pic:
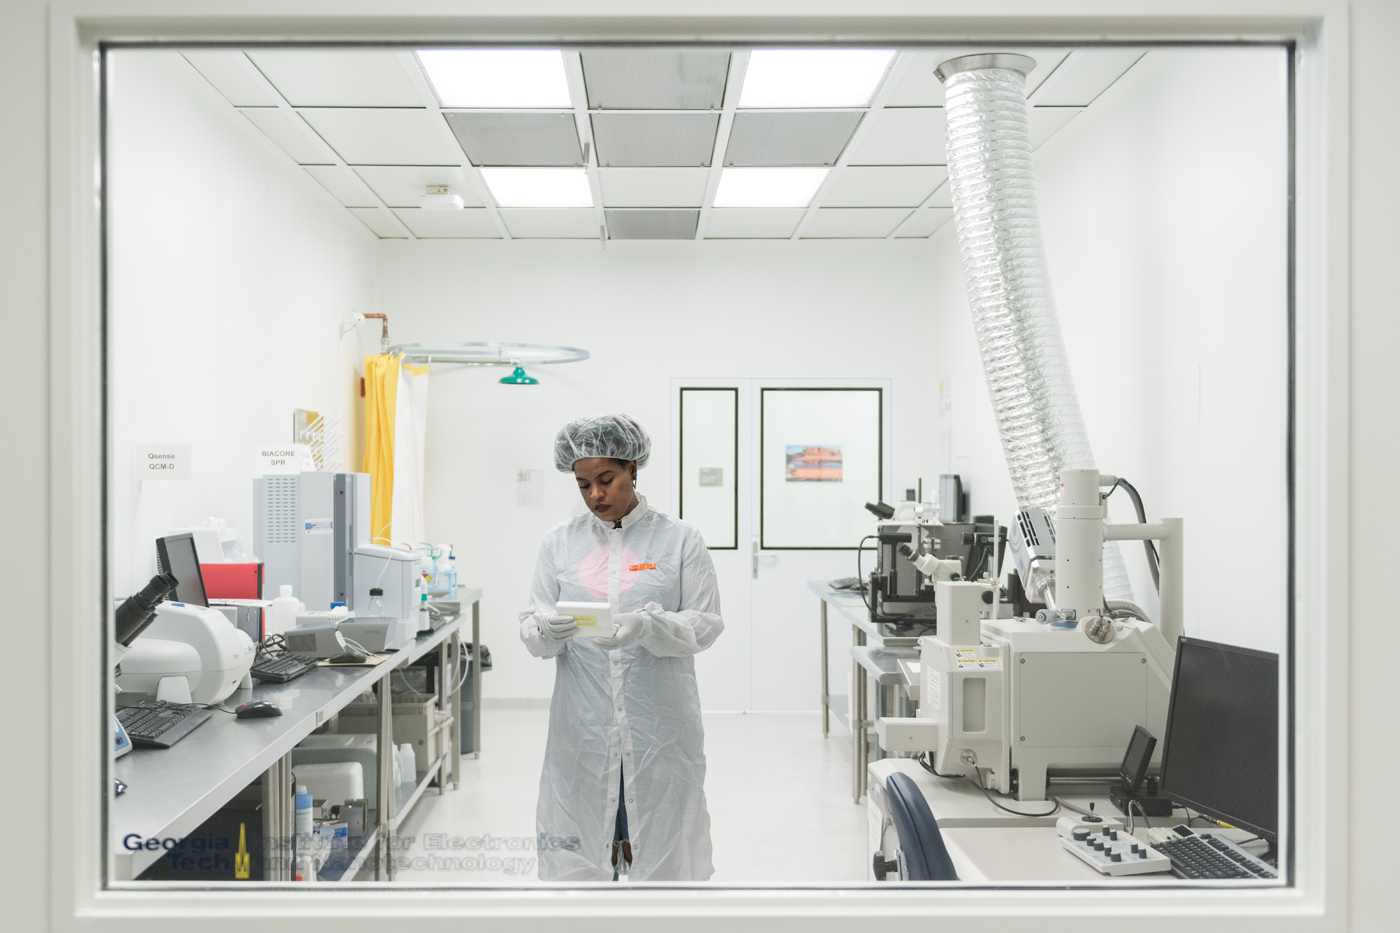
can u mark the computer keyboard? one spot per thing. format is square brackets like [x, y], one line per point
[158, 724]
[280, 668]
[1203, 856]
[847, 583]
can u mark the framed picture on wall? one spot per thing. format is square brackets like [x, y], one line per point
[821, 456]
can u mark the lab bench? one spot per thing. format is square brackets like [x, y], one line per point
[877, 650]
[171, 792]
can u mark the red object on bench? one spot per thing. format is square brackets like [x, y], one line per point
[233, 581]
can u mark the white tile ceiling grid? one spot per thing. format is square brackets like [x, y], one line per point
[573, 71]
[738, 64]
[897, 68]
[419, 80]
[388, 220]
[1064, 84]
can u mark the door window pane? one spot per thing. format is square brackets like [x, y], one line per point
[821, 461]
[709, 464]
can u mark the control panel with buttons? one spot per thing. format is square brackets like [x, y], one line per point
[1114, 852]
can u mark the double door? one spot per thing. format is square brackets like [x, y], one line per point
[776, 474]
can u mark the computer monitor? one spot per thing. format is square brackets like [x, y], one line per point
[1220, 753]
[175, 554]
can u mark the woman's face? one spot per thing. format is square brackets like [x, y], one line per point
[607, 485]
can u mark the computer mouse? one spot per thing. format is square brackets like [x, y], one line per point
[351, 656]
[258, 709]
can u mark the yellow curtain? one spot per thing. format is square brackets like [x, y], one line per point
[381, 399]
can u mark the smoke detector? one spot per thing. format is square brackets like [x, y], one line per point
[438, 198]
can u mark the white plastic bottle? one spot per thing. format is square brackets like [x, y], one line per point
[408, 763]
[303, 870]
[425, 620]
[282, 614]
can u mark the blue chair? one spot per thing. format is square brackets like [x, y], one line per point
[921, 856]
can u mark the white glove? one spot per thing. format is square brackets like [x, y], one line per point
[556, 628]
[629, 625]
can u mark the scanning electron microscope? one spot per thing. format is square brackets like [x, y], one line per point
[1010, 701]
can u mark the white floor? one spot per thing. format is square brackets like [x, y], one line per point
[779, 797]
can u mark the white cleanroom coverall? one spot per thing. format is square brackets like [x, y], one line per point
[634, 708]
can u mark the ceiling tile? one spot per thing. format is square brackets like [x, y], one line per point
[560, 222]
[403, 185]
[919, 87]
[652, 225]
[885, 186]
[653, 187]
[646, 79]
[337, 77]
[909, 136]
[380, 222]
[290, 134]
[346, 186]
[854, 222]
[659, 139]
[790, 138]
[365, 136]
[925, 222]
[1084, 76]
[752, 223]
[472, 222]
[503, 139]
[230, 78]
[1047, 121]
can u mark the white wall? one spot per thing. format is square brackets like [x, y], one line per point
[1164, 216]
[229, 281]
[646, 312]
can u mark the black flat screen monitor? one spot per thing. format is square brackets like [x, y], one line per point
[175, 554]
[1135, 760]
[1220, 754]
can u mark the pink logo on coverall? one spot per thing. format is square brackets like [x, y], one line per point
[593, 573]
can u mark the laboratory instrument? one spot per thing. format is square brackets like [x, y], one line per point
[1012, 699]
[393, 571]
[158, 724]
[306, 527]
[225, 653]
[372, 634]
[914, 551]
[1113, 852]
[121, 742]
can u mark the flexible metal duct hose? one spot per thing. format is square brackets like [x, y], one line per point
[1008, 285]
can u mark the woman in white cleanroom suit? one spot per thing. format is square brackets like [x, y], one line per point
[625, 758]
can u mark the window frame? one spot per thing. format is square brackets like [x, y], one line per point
[1318, 437]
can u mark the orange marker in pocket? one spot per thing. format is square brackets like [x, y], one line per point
[635, 567]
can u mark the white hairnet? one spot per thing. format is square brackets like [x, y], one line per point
[607, 434]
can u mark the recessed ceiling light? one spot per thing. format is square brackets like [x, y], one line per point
[539, 187]
[491, 79]
[813, 77]
[768, 187]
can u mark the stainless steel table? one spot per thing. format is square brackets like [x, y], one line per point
[170, 792]
[851, 606]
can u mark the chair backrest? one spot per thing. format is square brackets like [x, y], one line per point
[925, 856]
